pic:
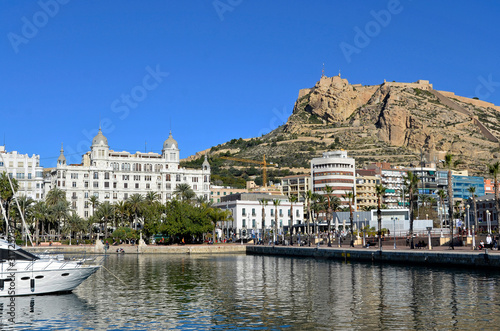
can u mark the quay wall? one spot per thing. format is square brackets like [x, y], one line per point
[146, 249]
[481, 260]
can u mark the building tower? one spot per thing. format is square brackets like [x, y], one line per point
[61, 160]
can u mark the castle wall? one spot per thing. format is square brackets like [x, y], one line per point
[478, 103]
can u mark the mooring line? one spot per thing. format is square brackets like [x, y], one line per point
[114, 275]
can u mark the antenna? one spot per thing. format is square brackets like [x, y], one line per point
[145, 147]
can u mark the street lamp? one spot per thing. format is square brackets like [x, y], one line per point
[394, 230]
[488, 221]
[429, 228]
[468, 221]
[364, 231]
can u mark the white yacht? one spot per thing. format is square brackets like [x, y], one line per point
[23, 273]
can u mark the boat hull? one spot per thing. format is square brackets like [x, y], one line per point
[34, 282]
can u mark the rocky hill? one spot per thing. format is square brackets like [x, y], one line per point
[392, 122]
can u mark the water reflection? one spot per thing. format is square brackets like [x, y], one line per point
[255, 292]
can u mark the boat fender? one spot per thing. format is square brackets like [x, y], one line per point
[32, 284]
[2, 284]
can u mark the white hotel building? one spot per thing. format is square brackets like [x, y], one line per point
[26, 170]
[336, 170]
[115, 176]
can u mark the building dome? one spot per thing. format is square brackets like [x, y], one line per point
[170, 143]
[100, 140]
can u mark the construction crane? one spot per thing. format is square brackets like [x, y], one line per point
[263, 163]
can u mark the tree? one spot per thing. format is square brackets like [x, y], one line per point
[494, 169]
[94, 201]
[411, 184]
[472, 191]
[184, 192]
[218, 215]
[350, 196]
[263, 202]
[293, 199]
[449, 163]
[380, 191]
[6, 192]
[276, 203]
[308, 196]
[442, 195]
[105, 212]
[135, 203]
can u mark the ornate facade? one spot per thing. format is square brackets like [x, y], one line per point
[115, 176]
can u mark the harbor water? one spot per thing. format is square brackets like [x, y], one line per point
[240, 292]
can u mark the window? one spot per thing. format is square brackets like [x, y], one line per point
[272, 212]
[29, 176]
[106, 175]
[125, 196]
[115, 196]
[86, 204]
[73, 205]
[136, 185]
[86, 213]
[125, 185]
[194, 179]
[39, 174]
[253, 211]
[168, 186]
[20, 176]
[137, 177]
[281, 212]
[195, 187]
[86, 195]
[96, 175]
[114, 185]
[96, 184]
[177, 178]
[125, 177]
[253, 223]
[244, 223]
[167, 178]
[86, 184]
[106, 184]
[148, 186]
[297, 213]
[73, 184]
[243, 212]
[147, 178]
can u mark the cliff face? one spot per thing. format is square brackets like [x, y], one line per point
[408, 115]
[391, 122]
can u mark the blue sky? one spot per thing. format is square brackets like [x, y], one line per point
[216, 70]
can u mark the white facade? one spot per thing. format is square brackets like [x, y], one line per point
[247, 216]
[115, 176]
[336, 170]
[26, 170]
[393, 180]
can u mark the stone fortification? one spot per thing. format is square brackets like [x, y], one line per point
[475, 102]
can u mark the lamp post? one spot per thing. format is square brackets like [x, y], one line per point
[364, 230]
[394, 230]
[488, 221]
[473, 238]
[429, 228]
[468, 221]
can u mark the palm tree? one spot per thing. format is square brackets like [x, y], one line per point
[442, 195]
[472, 191]
[135, 203]
[293, 199]
[151, 197]
[94, 201]
[263, 202]
[449, 163]
[411, 184]
[218, 215]
[121, 209]
[318, 206]
[40, 213]
[184, 192]
[380, 191]
[494, 169]
[308, 196]
[350, 198]
[104, 213]
[276, 203]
